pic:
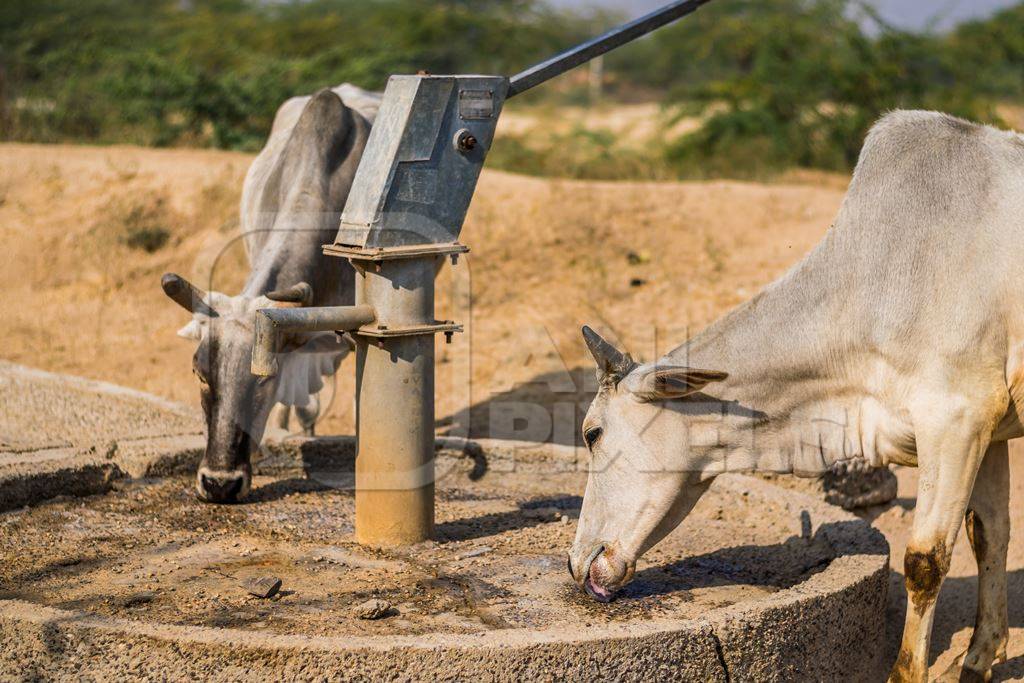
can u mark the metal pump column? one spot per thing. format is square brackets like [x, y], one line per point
[395, 396]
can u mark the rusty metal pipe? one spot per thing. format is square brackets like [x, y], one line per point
[271, 323]
[395, 404]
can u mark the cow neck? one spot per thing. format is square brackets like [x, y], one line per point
[789, 405]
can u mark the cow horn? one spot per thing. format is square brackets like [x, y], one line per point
[612, 364]
[301, 293]
[186, 295]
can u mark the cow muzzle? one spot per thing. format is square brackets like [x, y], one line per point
[223, 487]
[602, 572]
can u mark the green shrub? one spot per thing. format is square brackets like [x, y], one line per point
[799, 83]
[144, 227]
[780, 83]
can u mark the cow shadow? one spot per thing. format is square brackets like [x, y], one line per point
[535, 512]
[328, 462]
[282, 488]
[777, 565]
[549, 408]
[1010, 670]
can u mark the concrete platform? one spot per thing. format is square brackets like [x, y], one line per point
[140, 580]
[63, 435]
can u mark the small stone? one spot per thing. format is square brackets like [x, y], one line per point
[264, 587]
[565, 519]
[636, 258]
[476, 552]
[374, 609]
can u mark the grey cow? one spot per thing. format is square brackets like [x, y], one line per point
[899, 339]
[292, 200]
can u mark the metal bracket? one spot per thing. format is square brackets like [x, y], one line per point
[378, 254]
[386, 332]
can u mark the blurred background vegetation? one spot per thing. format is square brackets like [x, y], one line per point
[745, 88]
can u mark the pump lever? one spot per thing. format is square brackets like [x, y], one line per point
[617, 37]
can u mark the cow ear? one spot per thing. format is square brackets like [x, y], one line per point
[666, 384]
[300, 295]
[194, 330]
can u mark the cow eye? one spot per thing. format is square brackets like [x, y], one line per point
[592, 435]
[199, 375]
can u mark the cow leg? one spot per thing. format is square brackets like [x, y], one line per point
[988, 529]
[949, 460]
[279, 416]
[308, 415]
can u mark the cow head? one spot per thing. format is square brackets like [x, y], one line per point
[645, 475]
[236, 403]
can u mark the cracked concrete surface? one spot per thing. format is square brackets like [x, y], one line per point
[63, 435]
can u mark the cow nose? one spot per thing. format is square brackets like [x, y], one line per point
[577, 564]
[222, 487]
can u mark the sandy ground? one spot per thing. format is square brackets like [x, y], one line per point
[647, 263]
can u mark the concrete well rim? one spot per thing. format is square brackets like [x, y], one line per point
[861, 553]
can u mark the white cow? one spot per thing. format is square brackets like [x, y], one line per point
[899, 339]
[291, 205]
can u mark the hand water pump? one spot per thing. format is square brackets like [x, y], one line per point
[404, 214]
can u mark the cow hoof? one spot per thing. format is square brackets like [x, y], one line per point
[957, 673]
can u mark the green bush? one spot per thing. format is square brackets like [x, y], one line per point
[800, 83]
[213, 72]
[778, 83]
